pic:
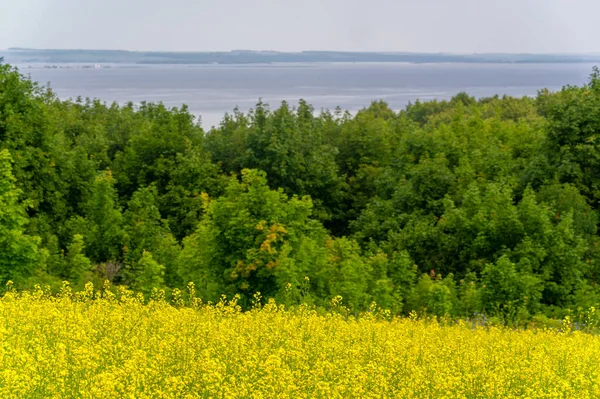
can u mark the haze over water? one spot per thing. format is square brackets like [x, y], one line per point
[212, 90]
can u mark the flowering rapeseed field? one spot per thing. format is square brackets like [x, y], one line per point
[114, 345]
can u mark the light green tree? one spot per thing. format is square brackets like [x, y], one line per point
[250, 240]
[149, 274]
[19, 252]
[76, 263]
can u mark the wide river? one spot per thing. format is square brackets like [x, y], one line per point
[212, 90]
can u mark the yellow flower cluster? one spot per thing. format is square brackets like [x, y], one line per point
[113, 345]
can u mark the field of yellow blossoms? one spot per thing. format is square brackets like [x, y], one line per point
[115, 345]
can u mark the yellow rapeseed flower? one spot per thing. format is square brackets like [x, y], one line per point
[114, 345]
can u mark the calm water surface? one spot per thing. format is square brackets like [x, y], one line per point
[212, 90]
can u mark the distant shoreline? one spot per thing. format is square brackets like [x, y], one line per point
[18, 55]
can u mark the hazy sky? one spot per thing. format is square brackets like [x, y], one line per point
[292, 25]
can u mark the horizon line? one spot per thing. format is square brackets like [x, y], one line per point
[300, 51]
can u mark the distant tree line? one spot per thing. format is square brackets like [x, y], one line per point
[459, 207]
[56, 56]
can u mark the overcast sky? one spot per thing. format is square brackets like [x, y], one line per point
[462, 26]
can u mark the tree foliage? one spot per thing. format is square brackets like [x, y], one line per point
[456, 207]
[19, 252]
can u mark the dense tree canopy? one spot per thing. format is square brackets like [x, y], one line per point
[456, 207]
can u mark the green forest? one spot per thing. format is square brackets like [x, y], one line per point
[462, 208]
